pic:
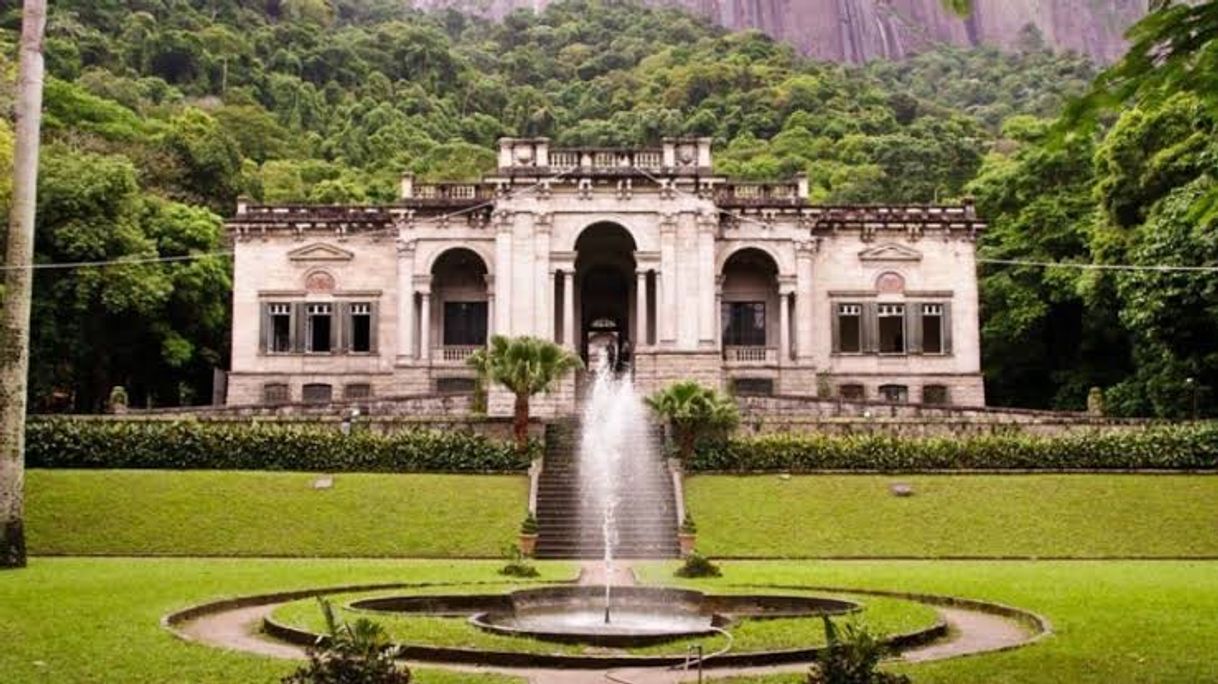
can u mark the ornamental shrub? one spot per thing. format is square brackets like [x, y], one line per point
[1175, 447]
[195, 445]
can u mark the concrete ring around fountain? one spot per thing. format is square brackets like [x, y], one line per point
[965, 627]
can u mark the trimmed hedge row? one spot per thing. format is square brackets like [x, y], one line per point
[1181, 447]
[191, 445]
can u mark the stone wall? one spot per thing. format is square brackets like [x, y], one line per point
[762, 415]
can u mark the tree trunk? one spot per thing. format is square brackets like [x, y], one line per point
[685, 444]
[18, 286]
[520, 422]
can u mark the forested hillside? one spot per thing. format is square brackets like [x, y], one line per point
[157, 119]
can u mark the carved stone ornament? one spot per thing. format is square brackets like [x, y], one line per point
[890, 283]
[319, 282]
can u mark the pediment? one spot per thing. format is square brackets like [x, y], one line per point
[890, 252]
[320, 252]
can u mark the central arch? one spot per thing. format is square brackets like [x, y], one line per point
[605, 281]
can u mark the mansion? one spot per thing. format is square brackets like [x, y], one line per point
[744, 286]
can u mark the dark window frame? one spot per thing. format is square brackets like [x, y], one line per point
[887, 391]
[849, 311]
[315, 312]
[886, 314]
[744, 335]
[314, 387]
[359, 320]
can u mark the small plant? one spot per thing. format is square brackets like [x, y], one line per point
[353, 653]
[688, 526]
[697, 565]
[529, 526]
[852, 657]
[518, 564]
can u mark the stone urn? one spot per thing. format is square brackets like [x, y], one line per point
[528, 535]
[687, 541]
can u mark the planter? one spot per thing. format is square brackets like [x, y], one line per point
[687, 540]
[528, 542]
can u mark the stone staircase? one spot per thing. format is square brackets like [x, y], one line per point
[646, 516]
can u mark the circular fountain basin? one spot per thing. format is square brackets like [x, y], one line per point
[638, 616]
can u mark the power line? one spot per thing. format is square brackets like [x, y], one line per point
[65, 265]
[1159, 268]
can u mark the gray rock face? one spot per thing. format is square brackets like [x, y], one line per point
[862, 30]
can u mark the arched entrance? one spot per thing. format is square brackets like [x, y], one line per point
[458, 318]
[605, 276]
[750, 307]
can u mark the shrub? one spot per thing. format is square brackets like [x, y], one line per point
[529, 525]
[517, 564]
[1177, 447]
[697, 565]
[356, 653]
[195, 445]
[688, 526]
[852, 657]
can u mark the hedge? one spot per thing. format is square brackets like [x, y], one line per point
[1180, 447]
[193, 445]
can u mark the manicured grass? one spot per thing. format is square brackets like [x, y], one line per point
[209, 513]
[889, 615]
[1114, 621]
[97, 620]
[985, 516]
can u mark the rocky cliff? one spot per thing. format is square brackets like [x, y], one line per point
[861, 30]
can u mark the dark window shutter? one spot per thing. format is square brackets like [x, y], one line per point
[835, 326]
[947, 327]
[264, 327]
[298, 327]
[870, 326]
[913, 327]
[374, 321]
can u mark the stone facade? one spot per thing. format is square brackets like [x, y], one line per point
[743, 285]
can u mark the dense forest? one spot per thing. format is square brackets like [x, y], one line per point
[160, 113]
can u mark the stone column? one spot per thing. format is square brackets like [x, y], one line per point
[424, 285]
[804, 315]
[641, 333]
[543, 307]
[503, 269]
[784, 330]
[568, 309]
[708, 224]
[405, 332]
[668, 266]
[490, 307]
[719, 312]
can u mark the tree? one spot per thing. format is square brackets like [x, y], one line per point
[693, 410]
[525, 366]
[18, 287]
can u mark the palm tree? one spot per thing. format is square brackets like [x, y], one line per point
[525, 366]
[692, 410]
[18, 285]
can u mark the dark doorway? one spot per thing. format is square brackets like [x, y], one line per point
[605, 276]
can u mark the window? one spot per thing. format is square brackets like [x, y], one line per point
[892, 328]
[897, 394]
[743, 324]
[275, 393]
[753, 387]
[934, 394]
[317, 393]
[932, 328]
[279, 330]
[358, 390]
[464, 324]
[360, 323]
[320, 328]
[851, 392]
[849, 328]
[455, 385]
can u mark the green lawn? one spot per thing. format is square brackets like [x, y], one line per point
[97, 619]
[888, 615]
[134, 512]
[985, 516]
[1115, 622]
